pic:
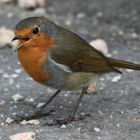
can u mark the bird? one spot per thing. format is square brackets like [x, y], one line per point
[59, 58]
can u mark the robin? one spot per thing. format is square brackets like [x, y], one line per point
[58, 58]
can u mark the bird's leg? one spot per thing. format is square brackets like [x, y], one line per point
[40, 113]
[72, 117]
[50, 99]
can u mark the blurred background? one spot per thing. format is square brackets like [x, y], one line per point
[113, 27]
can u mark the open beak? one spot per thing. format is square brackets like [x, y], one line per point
[16, 46]
[15, 38]
[19, 38]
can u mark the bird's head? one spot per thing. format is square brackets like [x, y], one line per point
[34, 32]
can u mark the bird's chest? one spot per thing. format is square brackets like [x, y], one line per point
[33, 63]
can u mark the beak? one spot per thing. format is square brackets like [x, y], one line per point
[19, 38]
[16, 48]
[15, 38]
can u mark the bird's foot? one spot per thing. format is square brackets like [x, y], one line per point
[67, 120]
[37, 115]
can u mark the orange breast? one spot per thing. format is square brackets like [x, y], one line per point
[33, 58]
[33, 62]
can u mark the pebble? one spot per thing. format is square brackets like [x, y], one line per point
[17, 86]
[14, 75]
[18, 71]
[99, 14]
[116, 78]
[68, 22]
[40, 105]
[96, 129]
[17, 97]
[2, 124]
[6, 35]
[29, 4]
[9, 15]
[8, 120]
[100, 112]
[30, 100]
[100, 45]
[118, 125]
[33, 122]
[40, 11]
[129, 70]
[63, 126]
[2, 102]
[134, 35]
[81, 15]
[6, 76]
[23, 136]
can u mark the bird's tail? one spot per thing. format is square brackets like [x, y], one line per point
[123, 64]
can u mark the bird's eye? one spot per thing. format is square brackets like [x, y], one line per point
[35, 30]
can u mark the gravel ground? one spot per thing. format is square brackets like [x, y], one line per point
[115, 109]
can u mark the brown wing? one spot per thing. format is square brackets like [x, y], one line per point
[78, 55]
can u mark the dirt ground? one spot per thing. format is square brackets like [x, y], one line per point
[115, 109]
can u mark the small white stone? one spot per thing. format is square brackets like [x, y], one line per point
[100, 112]
[100, 45]
[134, 35]
[80, 15]
[66, 95]
[18, 71]
[6, 35]
[30, 100]
[17, 86]
[23, 136]
[26, 3]
[63, 126]
[79, 129]
[122, 112]
[118, 125]
[40, 105]
[2, 124]
[96, 129]
[33, 122]
[39, 11]
[129, 70]
[9, 15]
[6, 76]
[14, 75]
[8, 120]
[68, 22]
[2, 102]
[116, 78]
[120, 32]
[99, 14]
[17, 97]
[31, 3]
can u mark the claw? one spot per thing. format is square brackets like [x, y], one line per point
[37, 115]
[67, 120]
